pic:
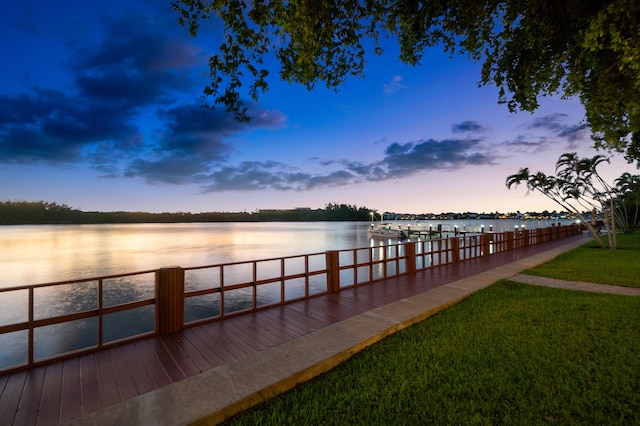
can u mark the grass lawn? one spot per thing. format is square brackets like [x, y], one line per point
[509, 354]
[590, 263]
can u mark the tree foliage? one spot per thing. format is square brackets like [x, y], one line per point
[41, 212]
[528, 49]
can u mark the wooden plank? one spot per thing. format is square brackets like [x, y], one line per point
[305, 314]
[29, 404]
[71, 398]
[193, 353]
[248, 331]
[279, 327]
[293, 318]
[276, 333]
[52, 392]
[3, 381]
[155, 368]
[90, 389]
[322, 311]
[124, 377]
[168, 363]
[277, 318]
[11, 396]
[211, 337]
[144, 381]
[244, 336]
[107, 379]
[196, 339]
[219, 333]
[186, 365]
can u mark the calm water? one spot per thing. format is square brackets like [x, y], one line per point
[42, 253]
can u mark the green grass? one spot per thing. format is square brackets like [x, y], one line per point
[509, 354]
[592, 264]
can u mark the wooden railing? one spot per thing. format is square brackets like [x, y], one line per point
[169, 299]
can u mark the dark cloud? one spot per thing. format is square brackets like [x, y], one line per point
[551, 122]
[400, 160]
[136, 65]
[574, 134]
[527, 144]
[194, 143]
[137, 74]
[50, 126]
[467, 126]
[114, 82]
[409, 158]
[553, 125]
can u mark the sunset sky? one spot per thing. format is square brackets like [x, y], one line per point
[100, 109]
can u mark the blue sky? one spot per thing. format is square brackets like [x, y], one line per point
[100, 109]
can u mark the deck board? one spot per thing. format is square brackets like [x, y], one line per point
[27, 413]
[123, 373]
[12, 396]
[166, 360]
[71, 399]
[107, 378]
[182, 361]
[67, 389]
[154, 367]
[90, 387]
[142, 378]
[207, 352]
[49, 411]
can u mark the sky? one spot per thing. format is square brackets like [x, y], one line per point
[101, 110]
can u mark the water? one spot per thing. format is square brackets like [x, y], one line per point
[42, 253]
[36, 254]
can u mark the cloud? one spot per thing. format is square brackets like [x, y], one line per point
[400, 160]
[467, 126]
[553, 123]
[195, 142]
[137, 75]
[548, 122]
[526, 144]
[394, 85]
[554, 130]
[134, 68]
[407, 159]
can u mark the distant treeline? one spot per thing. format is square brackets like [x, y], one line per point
[41, 212]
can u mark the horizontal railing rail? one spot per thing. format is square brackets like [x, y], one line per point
[115, 309]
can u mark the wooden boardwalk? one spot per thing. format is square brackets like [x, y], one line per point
[65, 390]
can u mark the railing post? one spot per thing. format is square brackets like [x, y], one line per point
[455, 249]
[485, 242]
[170, 299]
[333, 271]
[508, 236]
[410, 257]
[525, 237]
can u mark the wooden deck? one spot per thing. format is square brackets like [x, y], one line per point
[58, 392]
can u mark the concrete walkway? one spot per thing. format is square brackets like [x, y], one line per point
[213, 396]
[576, 285]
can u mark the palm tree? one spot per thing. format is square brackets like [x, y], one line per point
[577, 187]
[628, 187]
